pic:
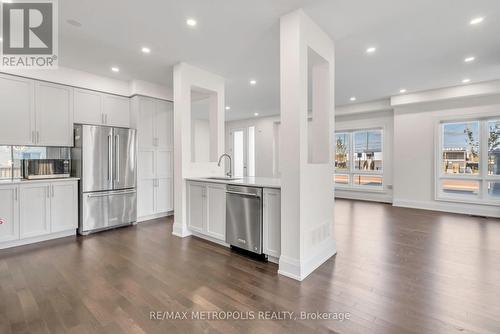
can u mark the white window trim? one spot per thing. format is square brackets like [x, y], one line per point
[483, 178]
[352, 170]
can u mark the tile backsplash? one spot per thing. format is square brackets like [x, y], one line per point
[11, 156]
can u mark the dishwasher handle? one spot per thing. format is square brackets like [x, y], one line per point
[244, 194]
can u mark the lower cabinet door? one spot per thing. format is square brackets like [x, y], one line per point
[9, 213]
[272, 222]
[34, 209]
[145, 197]
[216, 221]
[164, 195]
[196, 206]
[64, 206]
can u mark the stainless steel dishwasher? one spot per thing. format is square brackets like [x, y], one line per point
[244, 217]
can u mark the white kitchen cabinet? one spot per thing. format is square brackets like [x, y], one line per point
[17, 111]
[216, 216]
[63, 206]
[53, 115]
[272, 222]
[91, 107]
[207, 209]
[34, 209]
[88, 107]
[153, 119]
[9, 213]
[197, 205]
[146, 201]
[116, 110]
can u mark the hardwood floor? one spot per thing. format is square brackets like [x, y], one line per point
[396, 271]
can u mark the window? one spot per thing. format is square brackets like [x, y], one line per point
[469, 161]
[359, 159]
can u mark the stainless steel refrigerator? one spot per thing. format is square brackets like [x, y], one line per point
[104, 158]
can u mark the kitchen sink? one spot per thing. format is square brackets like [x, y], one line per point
[222, 178]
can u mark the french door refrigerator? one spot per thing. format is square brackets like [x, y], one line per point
[104, 158]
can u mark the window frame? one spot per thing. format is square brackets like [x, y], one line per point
[352, 171]
[482, 178]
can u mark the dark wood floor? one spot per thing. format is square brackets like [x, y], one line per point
[396, 271]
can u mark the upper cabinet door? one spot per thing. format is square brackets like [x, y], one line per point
[88, 107]
[54, 114]
[17, 113]
[164, 126]
[116, 110]
[146, 133]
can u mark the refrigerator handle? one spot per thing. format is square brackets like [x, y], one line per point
[110, 157]
[117, 158]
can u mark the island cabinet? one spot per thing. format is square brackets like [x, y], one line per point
[207, 209]
[37, 211]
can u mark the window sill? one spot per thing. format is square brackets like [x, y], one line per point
[473, 201]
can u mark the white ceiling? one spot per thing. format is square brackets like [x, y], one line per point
[420, 44]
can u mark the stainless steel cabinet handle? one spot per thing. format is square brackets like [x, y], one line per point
[48, 191]
[33, 139]
[52, 190]
[102, 118]
[112, 193]
[117, 158]
[110, 157]
[241, 193]
[37, 137]
[106, 118]
[15, 194]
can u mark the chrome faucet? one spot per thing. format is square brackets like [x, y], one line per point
[230, 173]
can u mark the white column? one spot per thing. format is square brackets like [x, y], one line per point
[307, 192]
[188, 78]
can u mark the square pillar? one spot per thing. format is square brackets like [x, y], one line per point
[307, 69]
[189, 80]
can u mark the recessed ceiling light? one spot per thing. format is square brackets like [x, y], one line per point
[74, 23]
[469, 59]
[371, 49]
[146, 50]
[115, 69]
[253, 82]
[352, 99]
[228, 107]
[467, 80]
[256, 114]
[476, 20]
[191, 22]
[402, 91]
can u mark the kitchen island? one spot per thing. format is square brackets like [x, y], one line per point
[206, 210]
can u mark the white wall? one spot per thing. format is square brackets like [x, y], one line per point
[379, 119]
[200, 140]
[264, 142]
[414, 152]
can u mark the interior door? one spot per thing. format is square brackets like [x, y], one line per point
[239, 150]
[97, 152]
[124, 175]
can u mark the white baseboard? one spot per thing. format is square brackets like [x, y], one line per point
[299, 270]
[155, 216]
[364, 196]
[209, 238]
[46, 237]
[461, 208]
[180, 231]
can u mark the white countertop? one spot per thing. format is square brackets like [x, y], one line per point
[24, 181]
[264, 182]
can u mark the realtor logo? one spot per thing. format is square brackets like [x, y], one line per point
[29, 34]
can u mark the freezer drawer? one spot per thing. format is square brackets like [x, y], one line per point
[104, 210]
